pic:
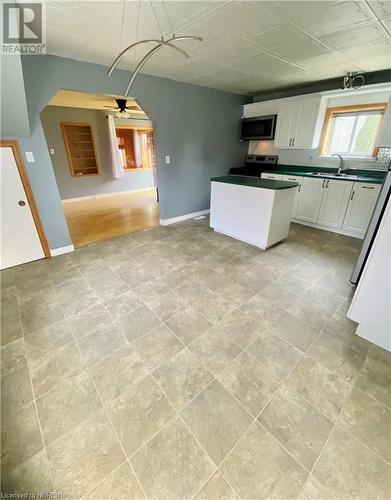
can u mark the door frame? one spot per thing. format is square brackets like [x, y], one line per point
[29, 194]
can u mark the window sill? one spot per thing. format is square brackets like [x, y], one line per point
[140, 169]
[351, 158]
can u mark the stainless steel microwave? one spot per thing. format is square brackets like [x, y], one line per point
[259, 128]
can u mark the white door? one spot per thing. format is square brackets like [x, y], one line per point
[334, 203]
[266, 175]
[285, 123]
[361, 205]
[20, 242]
[310, 199]
[294, 178]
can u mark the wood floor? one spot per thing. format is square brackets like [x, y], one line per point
[103, 218]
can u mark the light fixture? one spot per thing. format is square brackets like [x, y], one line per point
[159, 44]
[353, 81]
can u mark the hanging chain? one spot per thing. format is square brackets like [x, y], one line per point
[168, 17]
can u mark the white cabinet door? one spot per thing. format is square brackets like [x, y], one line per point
[361, 205]
[287, 112]
[299, 179]
[310, 199]
[266, 175]
[20, 242]
[309, 117]
[334, 203]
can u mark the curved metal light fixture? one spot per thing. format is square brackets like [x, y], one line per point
[160, 44]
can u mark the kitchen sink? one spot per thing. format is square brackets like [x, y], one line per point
[336, 176]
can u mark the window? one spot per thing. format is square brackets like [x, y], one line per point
[136, 147]
[352, 130]
[80, 147]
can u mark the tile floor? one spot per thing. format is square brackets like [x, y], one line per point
[175, 363]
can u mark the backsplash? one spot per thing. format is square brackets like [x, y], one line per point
[310, 158]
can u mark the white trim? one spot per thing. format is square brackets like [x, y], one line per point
[104, 195]
[61, 250]
[327, 228]
[173, 220]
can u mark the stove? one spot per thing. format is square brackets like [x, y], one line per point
[255, 165]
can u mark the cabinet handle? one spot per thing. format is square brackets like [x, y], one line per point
[299, 188]
[323, 183]
[368, 187]
[352, 195]
[290, 142]
[293, 141]
[291, 179]
[327, 184]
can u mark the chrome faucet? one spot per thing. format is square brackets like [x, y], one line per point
[341, 166]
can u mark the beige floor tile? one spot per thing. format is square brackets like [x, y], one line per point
[191, 291]
[122, 305]
[275, 354]
[138, 323]
[152, 292]
[74, 304]
[217, 420]
[298, 426]
[243, 330]
[101, 343]
[336, 356]
[250, 382]
[279, 293]
[116, 373]
[157, 346]
[51, 370]
[176, 278]
[71, 287]
[217, 488]
[182, 377]
[66, 406]
[89, 320]
[172, 465]
[169, 304]
[213, 307]
[375, 379]
[42, 342]
[187, 326]
[315, 313]
[32, 476]
[344, 329]
[20, 437]
[297, 332]
[369, 421]
[121, 484]
[11, 329]
[15, 390]
[41, 317]
[259, 468]
[138, 413]
[349, 470]
[81, 458]
[323, 388]
[316, 293]
[262, 310]
[215, 349]
[110, 289]
[314, 490]
[13, 357]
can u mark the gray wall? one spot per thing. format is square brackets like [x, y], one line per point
[199, 127]
[14, 117]
[75, 187]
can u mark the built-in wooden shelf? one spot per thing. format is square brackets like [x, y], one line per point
[81, 158]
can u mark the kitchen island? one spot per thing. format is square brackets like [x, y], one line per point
[256, 211]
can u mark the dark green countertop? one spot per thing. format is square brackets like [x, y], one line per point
[255, 182]
[373, 176]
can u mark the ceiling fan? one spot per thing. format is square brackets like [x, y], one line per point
[122, 108]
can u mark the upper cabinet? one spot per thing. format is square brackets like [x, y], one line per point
[299, 123]
[384, 140]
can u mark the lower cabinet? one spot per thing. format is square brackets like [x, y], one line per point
[361, 205]
[334, 202]
[310, 199]
[299, 179]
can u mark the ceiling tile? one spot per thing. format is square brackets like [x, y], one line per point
[298, 52]
[278, 36]
[352, 37]
[382, 8]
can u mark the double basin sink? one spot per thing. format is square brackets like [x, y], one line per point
[342, 175]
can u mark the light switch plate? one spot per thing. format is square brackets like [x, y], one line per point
[168, 159]
[30, 157]
[51, 151]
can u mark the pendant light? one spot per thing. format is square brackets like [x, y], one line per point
[158, 44]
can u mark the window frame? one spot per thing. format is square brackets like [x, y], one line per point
[328, 127]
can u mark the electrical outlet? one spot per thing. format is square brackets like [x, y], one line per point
[51, 151]
[30, 157]
[168, 159]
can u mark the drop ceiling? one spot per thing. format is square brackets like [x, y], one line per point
[248, 47]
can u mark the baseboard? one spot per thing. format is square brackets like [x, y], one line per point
[105, 195]
[61, 250]
[326, 228]
[173, 220]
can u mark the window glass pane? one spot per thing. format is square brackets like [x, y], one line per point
[341, 134]
[365, 134]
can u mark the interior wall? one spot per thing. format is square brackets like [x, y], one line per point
[76, 187]
[312, 157]
[197, 126]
